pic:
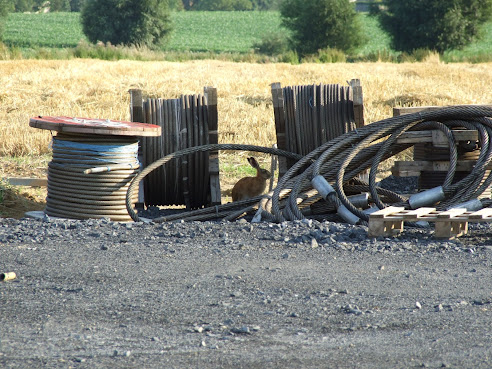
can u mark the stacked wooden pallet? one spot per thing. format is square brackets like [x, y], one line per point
[439, 140]
[308, 116]
[448, 224]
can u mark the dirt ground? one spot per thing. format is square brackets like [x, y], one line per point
[97, 294]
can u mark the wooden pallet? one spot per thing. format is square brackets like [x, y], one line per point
[439, 140]
[448, 224]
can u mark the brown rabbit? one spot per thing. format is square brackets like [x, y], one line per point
[248, 187]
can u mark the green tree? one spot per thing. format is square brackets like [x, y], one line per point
[434, 24]
[321, 24]
[127, 22]
[188, 4]
[230, 4]
[76, 5]
[242, 5]
[176, 5]
[22, 5]
[266, 4]
[214, 5]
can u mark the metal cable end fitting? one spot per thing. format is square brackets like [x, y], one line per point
[347, 215]
[470, 205]
[427, 197]
[322, 186]
[360, 201]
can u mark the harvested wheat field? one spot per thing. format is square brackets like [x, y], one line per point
[99, 89]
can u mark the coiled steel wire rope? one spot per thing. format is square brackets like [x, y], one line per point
[88, 176]
[191, 150]
[396, 125]
[344, 158]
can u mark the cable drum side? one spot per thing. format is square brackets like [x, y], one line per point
[89, 177]
[184, 123]
[315, 114]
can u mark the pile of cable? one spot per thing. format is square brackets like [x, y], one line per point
[184, 124]
[333, 167]
[89, 176]
[325, 184]
[338, 106]
[230, 211]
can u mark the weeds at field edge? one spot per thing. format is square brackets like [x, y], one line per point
[85, 50]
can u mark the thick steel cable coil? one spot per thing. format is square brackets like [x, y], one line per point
[229, 211]
[342, 159]
[74, 192]
[349, 144]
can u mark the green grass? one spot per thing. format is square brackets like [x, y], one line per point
[203, 35]
[376, 39]
[477, 52]
[52, 30]
[221, 31]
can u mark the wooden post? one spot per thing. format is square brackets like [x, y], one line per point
[359, 114]
[213, 137]
[278, 112]
[136, 106]
[358, 102]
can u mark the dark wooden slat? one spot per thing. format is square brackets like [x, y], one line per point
[185, 158]
[212, 122]
[279, 115]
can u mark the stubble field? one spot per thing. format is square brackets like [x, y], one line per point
[99, 89]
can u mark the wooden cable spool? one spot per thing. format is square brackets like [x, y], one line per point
[185, 123]
[315, 114]
[94, 161]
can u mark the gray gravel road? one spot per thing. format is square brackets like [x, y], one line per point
[98, 294]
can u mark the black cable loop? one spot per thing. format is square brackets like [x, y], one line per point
[211, 147]
[471, 186]
[341, 172]
[375, 164]
[481, 162]
[287, 176]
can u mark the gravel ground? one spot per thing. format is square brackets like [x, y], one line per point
[304, 294]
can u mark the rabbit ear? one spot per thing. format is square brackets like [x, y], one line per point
[252, 161]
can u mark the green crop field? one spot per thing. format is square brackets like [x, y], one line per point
[57, 30]
[215, 32]
[221, 31]
[193, 31]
